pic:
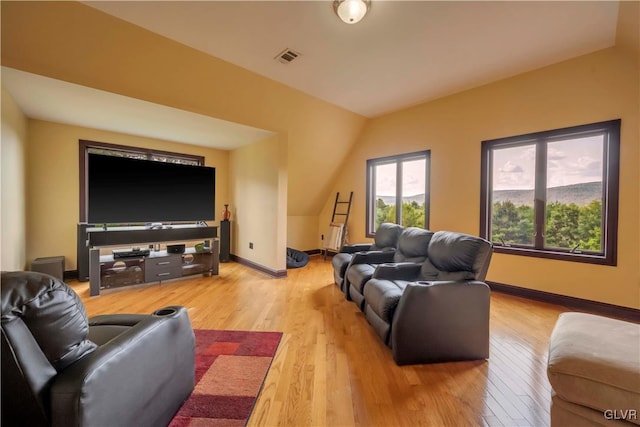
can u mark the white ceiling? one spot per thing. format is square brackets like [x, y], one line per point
[402, 53]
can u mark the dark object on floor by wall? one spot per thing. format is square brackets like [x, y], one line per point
[53, 265]
[296, 258]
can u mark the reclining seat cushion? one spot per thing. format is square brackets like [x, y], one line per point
[451, 252]
[382, 296]
[386, 239]
[340, 261]
[413, 245]
[53, 313]
[428, 272]
[358, 274]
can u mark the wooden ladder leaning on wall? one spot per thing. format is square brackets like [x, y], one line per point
[337, 230]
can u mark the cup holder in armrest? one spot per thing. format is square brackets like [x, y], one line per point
[167, 311]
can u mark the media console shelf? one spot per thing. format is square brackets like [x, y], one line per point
[107, 272]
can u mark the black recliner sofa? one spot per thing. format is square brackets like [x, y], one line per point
[61, 369]
[439, 310]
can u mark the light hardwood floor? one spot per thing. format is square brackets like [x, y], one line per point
[332, 370]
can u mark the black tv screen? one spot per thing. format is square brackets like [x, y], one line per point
[123, 190]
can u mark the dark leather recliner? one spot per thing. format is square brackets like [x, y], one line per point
[437, 311]
[413, 244]
[386, 239]
[61, 369]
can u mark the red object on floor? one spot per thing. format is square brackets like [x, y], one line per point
[230, 369]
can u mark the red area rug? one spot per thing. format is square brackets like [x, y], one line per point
[230, 369]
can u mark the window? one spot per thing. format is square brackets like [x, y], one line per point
[553, 194]
[401, 180]
[87, 147]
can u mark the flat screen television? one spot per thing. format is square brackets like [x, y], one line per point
[124, 191]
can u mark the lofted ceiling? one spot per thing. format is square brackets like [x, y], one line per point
[401, 54]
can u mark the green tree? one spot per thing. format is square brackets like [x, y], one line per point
[590, 226]
[561, 230]
[384, 213]
[567, 226]
[512, 224]
[413, 214]
[572, 226]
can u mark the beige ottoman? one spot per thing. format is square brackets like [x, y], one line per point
[594, 370]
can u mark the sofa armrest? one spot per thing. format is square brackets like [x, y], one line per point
[372, 257]
[117, 319]
[397, 271]
[140, 377]
[441, 321]
[133, 319]
[356, 247]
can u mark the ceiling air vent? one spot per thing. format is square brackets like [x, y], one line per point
[287, 56]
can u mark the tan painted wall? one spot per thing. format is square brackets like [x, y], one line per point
[59, 39]
[302, 232]
[628, 39]
[53, 193]
[627, 32]
[76, 43]
[13, 203]
[600, 86]
[258, 188]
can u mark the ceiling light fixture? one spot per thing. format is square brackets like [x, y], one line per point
[351, 11]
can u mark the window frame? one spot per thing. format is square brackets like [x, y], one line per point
[610, 191]
[398, 159]
[85, 146]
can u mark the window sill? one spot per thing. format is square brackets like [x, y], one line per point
[560, 256]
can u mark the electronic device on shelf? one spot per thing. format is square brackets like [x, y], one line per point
[176, 249]
[123, 190]
[131, 252]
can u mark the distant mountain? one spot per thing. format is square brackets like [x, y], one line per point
[391, 200]
[580, 194]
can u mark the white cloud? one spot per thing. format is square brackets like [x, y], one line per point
[510, 167]
[413, 179]
[555, 153]
[517, 169]
[582, 161]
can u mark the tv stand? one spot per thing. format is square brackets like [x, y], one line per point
[180, 264]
